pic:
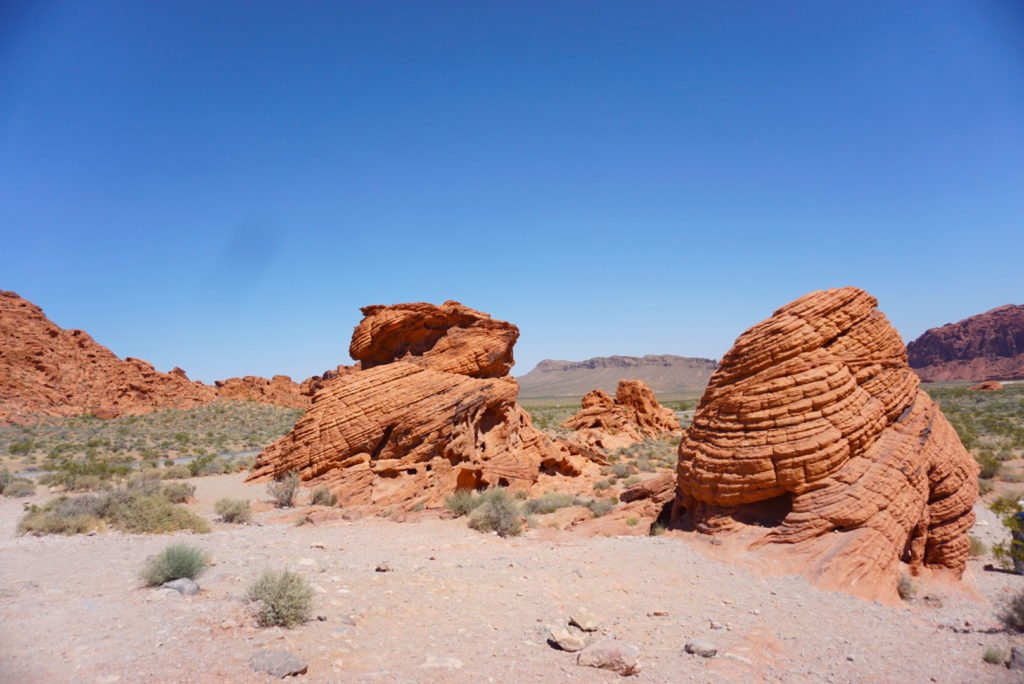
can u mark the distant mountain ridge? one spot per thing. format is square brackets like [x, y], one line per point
[987, 346]
[664, 373]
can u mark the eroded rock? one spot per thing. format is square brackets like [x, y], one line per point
[431, 411]
[632, 416]
[814, 440]
[609, 654]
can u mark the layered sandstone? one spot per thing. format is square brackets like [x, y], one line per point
[989, 346]
[814, 443]
[632, 416]
[46, 370]
[279, 390]
[431, 411]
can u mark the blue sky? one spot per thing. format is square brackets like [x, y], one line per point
[222, 185]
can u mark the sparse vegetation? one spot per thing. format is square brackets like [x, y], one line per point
[19, 487]
[632, 522]
[281, 598]
[498, 513]
[284, 489]
[175, 562]
[549, 503]
[179, 492]
[977, 548]
[322, 496]
[906, 587]
[1012, 615]
[233, 510]
[994, 656]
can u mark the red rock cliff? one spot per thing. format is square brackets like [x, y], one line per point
[989, 346]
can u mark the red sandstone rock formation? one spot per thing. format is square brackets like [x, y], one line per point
[632, 416]
[430, 412]
[814, 444]
[48, 371]
[989, 346]
[280, 390]
[988, 386]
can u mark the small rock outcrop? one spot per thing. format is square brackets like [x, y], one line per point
[632, 416]
[432, 410]
[989, 346]
[279, 390]
[988, 386]
[814, 442]
[46, 370]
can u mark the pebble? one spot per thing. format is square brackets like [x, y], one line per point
[701, 647]
[565, 640]
[183, 586]
[583, 619]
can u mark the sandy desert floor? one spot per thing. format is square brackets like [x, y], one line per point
[460, 606]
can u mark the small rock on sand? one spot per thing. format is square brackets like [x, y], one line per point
[277, 663]
[608, 654]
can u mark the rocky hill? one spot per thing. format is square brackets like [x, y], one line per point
[989, 346]
[46, 370]
[665, 374]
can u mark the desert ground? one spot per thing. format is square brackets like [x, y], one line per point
[455, 605]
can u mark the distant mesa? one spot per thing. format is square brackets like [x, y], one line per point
[46, 370]
[665, 374]
[814, 445]
[989, 346]
[630, 417]
[431, 411]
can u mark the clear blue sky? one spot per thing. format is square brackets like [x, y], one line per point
[222, 185]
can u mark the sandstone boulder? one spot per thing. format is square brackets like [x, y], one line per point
[814, 443]
[988, 386]
[632, 416]
[431, 411]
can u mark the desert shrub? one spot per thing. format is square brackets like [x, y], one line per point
[175, 562]
[322, 496]
[632, 522]
[906, 587]
[20, 447]
[984, 487]
[86, 483]
[498, 513]
[988, 463]
[602, 485]
[284, 489]
[282, 599]
[5, 478]
[463, 502]
[243, 463]
[630, 481]
[233, 510]
[994, 656]
[168, 463]
[40, 522]
[621, 470]
[1012, 615]
[144, 485]
[149, 514]
[208, 464]
[19, 487]
[644, 465]
[657, 529]
[178, 471]
[178, 492]
[600, 507]
[977, 547]
[549, 503]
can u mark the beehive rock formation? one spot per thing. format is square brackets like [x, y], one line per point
[814, 443]
[431, 411]
[633, 415]
[989, 346]
[46, 370]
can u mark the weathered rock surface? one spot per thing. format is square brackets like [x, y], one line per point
[632, 416]
[278, 664]
[46, 370]
[279, 390]
[988, 386]
[814, 442]
[989, 346]
[430, 412]
[608, 654]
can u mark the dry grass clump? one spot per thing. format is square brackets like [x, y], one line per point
[179, 492]
[284, 490]
[498, 513]
[175, 562]
[128, 510]
[281, 598]
[233, 510]
[322, 496]
[1012, 615]
[18, 487]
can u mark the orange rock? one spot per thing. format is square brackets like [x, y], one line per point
[430, 412]
[814, 441]
[632, 416]
[46, 370]
[280, 390]
[988, 386]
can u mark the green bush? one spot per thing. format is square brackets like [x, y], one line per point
[621, 470]
[988, 464]
[282, 599]
[463, 502]
[906, 588]
[322, 496]
[150, 515]
[21, 447]
[498, 513]
[601, 507]
[175, 562]
[233, 510]
[19, 487]
[994, 656]
[144, 484]
[284, 490]
[179, 492]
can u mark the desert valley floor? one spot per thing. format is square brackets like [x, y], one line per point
[453, 605]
